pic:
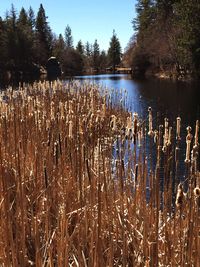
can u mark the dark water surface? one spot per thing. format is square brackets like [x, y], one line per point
[167, 98]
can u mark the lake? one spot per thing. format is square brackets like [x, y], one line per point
[167, 98]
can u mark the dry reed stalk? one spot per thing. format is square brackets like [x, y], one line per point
[73, 205]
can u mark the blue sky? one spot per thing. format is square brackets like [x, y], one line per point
[88, 19]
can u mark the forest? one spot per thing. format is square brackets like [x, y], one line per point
[166, 39]
[27, 42]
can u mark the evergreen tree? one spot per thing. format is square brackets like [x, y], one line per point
[144, 12]
[114, 51]
[88, 49]
[3, 46]
[188, 34]
[26, 38]
[80, 47]
[68, 37]
[12, 39]
[59, 47]
[88, 56]
[31, 18]
[95, 55]
[103, 60]
[43, 37]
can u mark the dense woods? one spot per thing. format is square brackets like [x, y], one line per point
[167, 38]
[27, 42]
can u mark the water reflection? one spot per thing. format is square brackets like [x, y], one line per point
[102, 77]
[167, 99]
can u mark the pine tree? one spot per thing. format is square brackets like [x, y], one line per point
[31, 18]
[144, 12]
[12, 39]
[88, 49]
[103, 60]
[3, 46]
[68, 37]
[188, 34]
[95, 55]
[80, 47]
[43, 37]
[59, 47]
[26, 39]
[114, 51]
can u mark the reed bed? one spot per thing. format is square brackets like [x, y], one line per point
[84, 182]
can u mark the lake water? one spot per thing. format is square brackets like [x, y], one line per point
[167, 98]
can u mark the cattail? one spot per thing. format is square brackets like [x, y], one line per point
[45, 176]
[129, 121]
[70, 129]
[197, 196]
[80, 126]
[179, 196]
[169, 137]
[55, 152]
[113, 122]
[92, 105]
[139, 135]
[103, 113]
[136, 173]
[135, 123]
[188, 142]
[61, 108]
[70, 107]
[150, 133]
[52, 110]
[128, 133]
[178, 128]
[155, 136]
[166, 135]
[97, 120]
[196, 135]
[197, 192]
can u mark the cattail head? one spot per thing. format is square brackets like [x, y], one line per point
[180, 196]
[155, 136]
[189, 135]
[196, 143]
[178, 128]
[103, 112]
[150, 133]
[166, 135]
[197, 192]
[113, 122]
[197, 196]
[188, 143]
[129, 121]
[135, 122]
[169, 141]
[70, 129]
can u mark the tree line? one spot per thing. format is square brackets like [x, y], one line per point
[27, 42]
[166, 39]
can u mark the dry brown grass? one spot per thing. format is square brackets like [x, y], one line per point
[65, 200]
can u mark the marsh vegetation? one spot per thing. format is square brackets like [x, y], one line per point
[78, 186]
